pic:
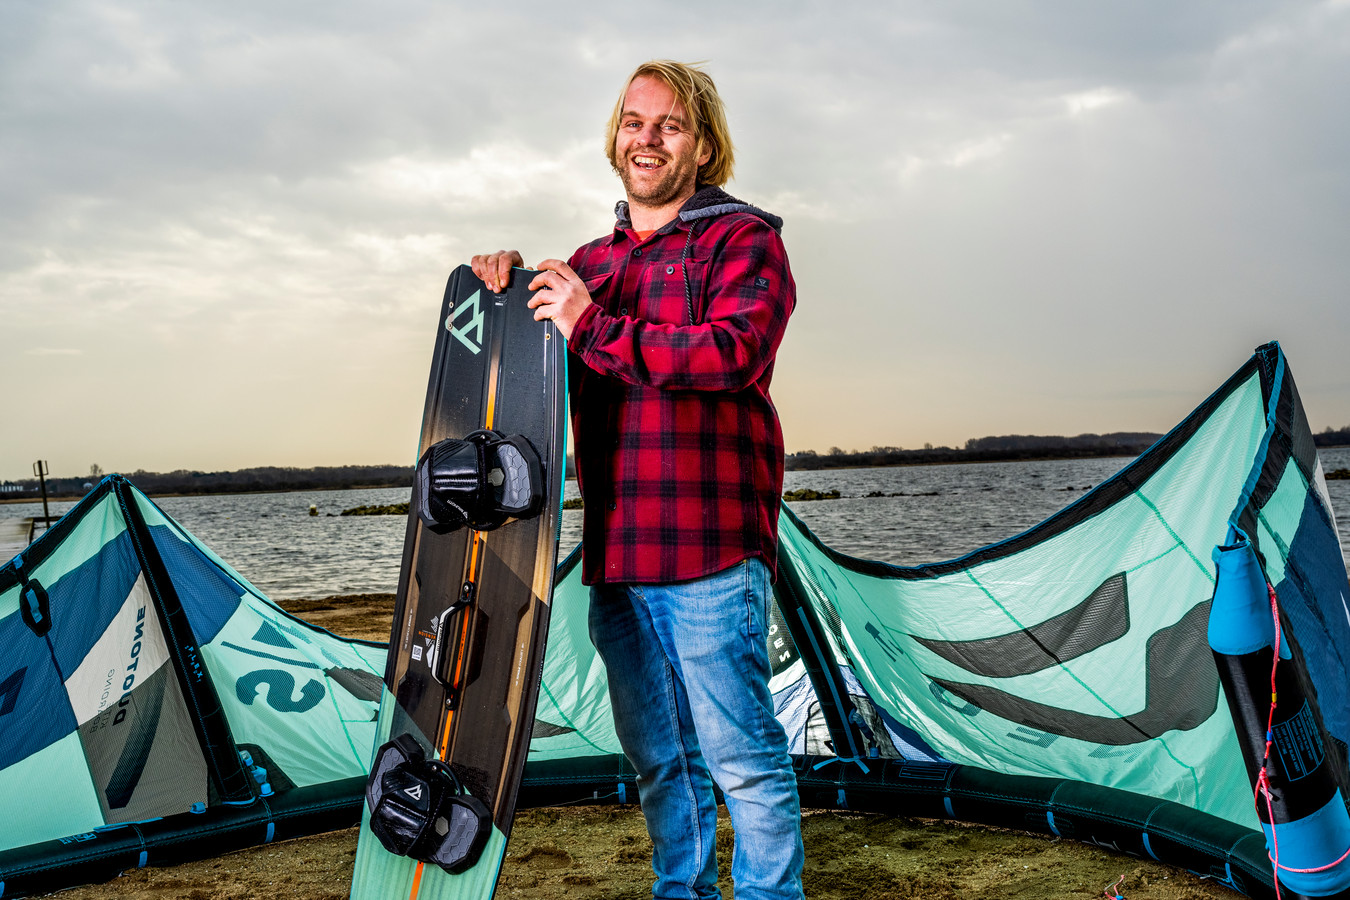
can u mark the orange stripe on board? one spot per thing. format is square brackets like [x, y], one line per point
[417, 880]
[491, 399]
[478, 541]
[464, 624]
[443, 743]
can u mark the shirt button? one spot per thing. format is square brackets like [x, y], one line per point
[614, 506]
[637, 252]
[623, 310]
[670, 270]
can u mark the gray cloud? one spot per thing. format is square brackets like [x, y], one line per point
[235, 222]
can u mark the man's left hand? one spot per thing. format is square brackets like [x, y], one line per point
[562, 295]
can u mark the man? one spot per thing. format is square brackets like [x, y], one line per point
[673, 322]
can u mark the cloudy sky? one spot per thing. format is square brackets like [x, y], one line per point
[225, 227]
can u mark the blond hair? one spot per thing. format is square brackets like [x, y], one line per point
[695, 90]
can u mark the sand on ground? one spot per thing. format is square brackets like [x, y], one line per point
[602, 852]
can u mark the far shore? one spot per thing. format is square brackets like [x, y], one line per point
[66, 498]
[371, 487]
[939, 457]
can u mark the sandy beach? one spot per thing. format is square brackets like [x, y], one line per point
[602, 852]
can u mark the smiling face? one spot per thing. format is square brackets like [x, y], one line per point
[656, 149]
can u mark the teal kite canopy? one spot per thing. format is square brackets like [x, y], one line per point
[154, 706]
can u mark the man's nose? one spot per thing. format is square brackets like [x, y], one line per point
[650, 136]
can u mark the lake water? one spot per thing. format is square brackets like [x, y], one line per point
[948, 510]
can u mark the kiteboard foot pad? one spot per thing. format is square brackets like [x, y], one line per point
[483, 481]
[420, 810]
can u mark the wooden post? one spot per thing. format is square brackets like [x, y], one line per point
[41, 471]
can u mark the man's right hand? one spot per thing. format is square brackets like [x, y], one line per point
[494, 269]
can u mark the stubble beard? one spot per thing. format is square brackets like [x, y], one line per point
[678, 178]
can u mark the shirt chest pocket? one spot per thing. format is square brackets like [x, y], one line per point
[599, 288]
[669, 293]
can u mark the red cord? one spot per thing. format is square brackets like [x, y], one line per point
[1112, 891]
[1263, 778]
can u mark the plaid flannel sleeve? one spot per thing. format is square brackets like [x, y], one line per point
[747, 295]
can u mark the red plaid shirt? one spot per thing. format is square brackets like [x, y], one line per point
[678, 447]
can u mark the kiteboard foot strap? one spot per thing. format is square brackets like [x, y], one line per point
[419, 809]
[482, 481]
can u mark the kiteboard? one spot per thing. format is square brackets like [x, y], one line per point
[471, 612]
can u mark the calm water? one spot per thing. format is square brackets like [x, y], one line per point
[948, 510]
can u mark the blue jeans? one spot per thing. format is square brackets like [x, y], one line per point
[688, 672]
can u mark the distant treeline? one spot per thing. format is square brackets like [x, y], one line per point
[1008, 447]
[985, 449]
[1333, 437]
[289, 478]
[241, 481]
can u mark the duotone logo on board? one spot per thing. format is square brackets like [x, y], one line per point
[465, 322]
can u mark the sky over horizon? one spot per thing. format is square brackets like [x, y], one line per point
[225, 229]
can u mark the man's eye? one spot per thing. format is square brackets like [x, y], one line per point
[670, 129]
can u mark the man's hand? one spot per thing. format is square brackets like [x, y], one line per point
[494, 269]
[562, 295]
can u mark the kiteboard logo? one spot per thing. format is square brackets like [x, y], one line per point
[1181, 682]
[414, 792]
[465, 322]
